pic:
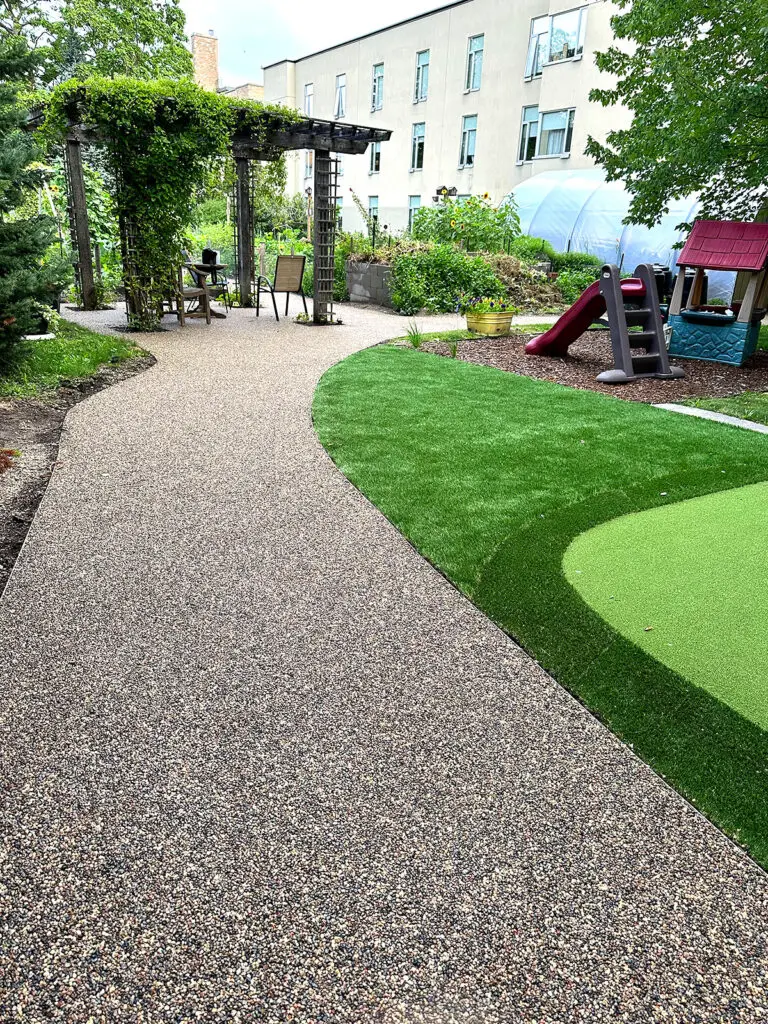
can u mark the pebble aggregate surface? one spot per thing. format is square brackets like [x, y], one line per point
[260, 762]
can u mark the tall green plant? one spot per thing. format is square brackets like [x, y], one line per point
[24, 239]
[433, 278]
[475, 223]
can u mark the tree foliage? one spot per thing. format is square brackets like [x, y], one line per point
[694, 76]
[80, 38]
[24, 281]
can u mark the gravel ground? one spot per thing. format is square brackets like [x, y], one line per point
[591, 354]
[260, 762]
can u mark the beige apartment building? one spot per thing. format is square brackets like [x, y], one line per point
[480, 94]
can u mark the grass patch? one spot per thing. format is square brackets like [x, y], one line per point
[464, 335]
[492, 475]
[37, 367]
[749, 405]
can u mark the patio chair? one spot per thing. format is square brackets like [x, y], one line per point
[289, 274]
[196, 294]
[218, 286]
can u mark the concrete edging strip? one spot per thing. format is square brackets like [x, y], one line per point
[719, 417]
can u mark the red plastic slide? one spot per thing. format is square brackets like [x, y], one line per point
[588, 307]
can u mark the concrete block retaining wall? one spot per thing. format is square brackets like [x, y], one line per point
[369, 282]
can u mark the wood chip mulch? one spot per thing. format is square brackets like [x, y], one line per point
[591, 354]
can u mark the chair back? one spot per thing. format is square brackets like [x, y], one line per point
[289, 273]
[211, 258]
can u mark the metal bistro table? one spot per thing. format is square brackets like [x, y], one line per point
[204, 270]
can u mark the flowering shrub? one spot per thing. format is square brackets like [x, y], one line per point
[471, 306]
[432, 277]
[475, 223]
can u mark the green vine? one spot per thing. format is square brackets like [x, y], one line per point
[164, 140]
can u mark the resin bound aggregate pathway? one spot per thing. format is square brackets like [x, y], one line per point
[260, 762]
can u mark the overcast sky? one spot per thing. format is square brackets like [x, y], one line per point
[257, 32]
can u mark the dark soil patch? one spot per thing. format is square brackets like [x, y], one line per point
[30, 429]
[591, 354]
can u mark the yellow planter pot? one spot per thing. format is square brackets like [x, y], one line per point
[489, 323]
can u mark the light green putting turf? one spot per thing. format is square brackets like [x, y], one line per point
[688, 583]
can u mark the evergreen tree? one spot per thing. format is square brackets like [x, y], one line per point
[24, 281]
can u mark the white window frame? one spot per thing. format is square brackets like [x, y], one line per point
[472, 64]
[374, 164]
[309, 98]
[340, 106]
[340, 165]
[569, 126]
[580, 36]
[530, 61]
[414, 147]
[377, 87]
[523, 126]
[339, 212]
[421, 82]
[373, 208]
[412, 208]
[309, 163]
[466, 134]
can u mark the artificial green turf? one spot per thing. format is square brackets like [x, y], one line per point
[689, 584]
[749, 405]
[35, 367]
[492, 475]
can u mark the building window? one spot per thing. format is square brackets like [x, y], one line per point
[548, 134]
[309, 163]
[417, 147]
[468, 140]
[373, 208]
[566, 35]
[422, 76]
[339, 212]
[339, 165]
[340, 108]
[529, 133]
[475, 63]
[309, 99]
[414, 204]
[377, 91]
[537, 47]
[556, 132]
[375, 158]
[463, 198]
[556, 38]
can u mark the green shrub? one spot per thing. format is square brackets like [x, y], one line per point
[576, 261]
[433, 278]
[572, 283]
[473, 223]
[531, 250]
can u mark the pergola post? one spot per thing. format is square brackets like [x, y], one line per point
[79, 223]
[325, 234]
[244, 227]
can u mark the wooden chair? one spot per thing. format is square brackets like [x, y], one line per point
[289, 274]
[197, 294]
[218, 286]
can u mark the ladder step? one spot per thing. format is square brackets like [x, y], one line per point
[636, 316]
[647, 359]
[637, 338]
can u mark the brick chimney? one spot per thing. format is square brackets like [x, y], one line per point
[205, 57]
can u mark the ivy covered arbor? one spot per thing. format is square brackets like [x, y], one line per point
[162, 140]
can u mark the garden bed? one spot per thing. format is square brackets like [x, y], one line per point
[592, 353]
[31, 421]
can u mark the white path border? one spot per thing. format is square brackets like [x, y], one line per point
[719, 417]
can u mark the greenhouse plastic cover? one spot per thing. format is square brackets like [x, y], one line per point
[580, 210]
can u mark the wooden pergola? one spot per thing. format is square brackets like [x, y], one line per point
[325, 138]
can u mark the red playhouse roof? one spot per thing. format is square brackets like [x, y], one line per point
[726, 245]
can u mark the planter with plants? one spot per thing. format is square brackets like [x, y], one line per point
[489, 317]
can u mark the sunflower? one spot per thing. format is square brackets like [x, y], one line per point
[486, 195]
[453, 223]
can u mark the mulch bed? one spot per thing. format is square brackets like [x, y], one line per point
[30, 429]
[591, 354]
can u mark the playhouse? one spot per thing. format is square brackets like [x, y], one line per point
[725, 334]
